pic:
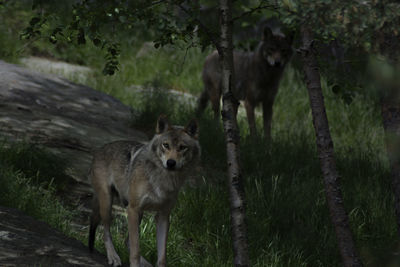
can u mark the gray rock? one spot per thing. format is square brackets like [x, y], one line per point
[25, 241]
[68, 118]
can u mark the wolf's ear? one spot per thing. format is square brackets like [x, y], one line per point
[267, 34]
[162, 124]
[192, 129]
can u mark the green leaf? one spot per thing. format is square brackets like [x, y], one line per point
[52, 39]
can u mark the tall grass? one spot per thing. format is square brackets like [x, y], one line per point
[30, 178]
[166, 68]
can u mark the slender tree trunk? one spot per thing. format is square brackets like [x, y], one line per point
[326, 154]
[229, 110]
[390, 108]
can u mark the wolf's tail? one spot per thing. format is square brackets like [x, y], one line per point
[94, 222]
[202, 103]
[92, 236]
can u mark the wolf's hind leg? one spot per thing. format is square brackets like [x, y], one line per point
[202, 103]
[162, 223]
[105, 205]
[267, 118]
[215, 98]
[127, 238]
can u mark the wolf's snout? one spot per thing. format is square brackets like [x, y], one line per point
[171, 163]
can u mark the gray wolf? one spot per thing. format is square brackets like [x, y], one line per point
[257, 77]
[145, 177]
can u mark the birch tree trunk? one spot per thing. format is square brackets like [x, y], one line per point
[326, 154]
[229, 110]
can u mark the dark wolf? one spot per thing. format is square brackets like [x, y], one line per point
[257, 77]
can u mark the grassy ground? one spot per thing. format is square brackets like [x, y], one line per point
[287, 216]
[30, 177]
[288, 221]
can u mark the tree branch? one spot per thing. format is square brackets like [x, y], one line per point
[254, 9]
[154, 3]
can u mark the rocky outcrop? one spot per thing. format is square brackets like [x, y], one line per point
[68, 118]
[25, 241]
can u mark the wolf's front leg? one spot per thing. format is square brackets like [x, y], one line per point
[143, 261]
[267, 117]
[250, 117]
[162, 225]
[104, 194]
[133, 229]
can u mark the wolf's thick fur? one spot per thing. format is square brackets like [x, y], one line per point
[257, 77]
[145, 177]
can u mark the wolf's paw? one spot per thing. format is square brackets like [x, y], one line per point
[114, 260]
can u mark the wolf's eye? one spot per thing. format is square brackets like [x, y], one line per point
[182, 148]
[165, 145]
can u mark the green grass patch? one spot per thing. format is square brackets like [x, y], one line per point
[41, 166]
[167, 68]
[29, 183]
